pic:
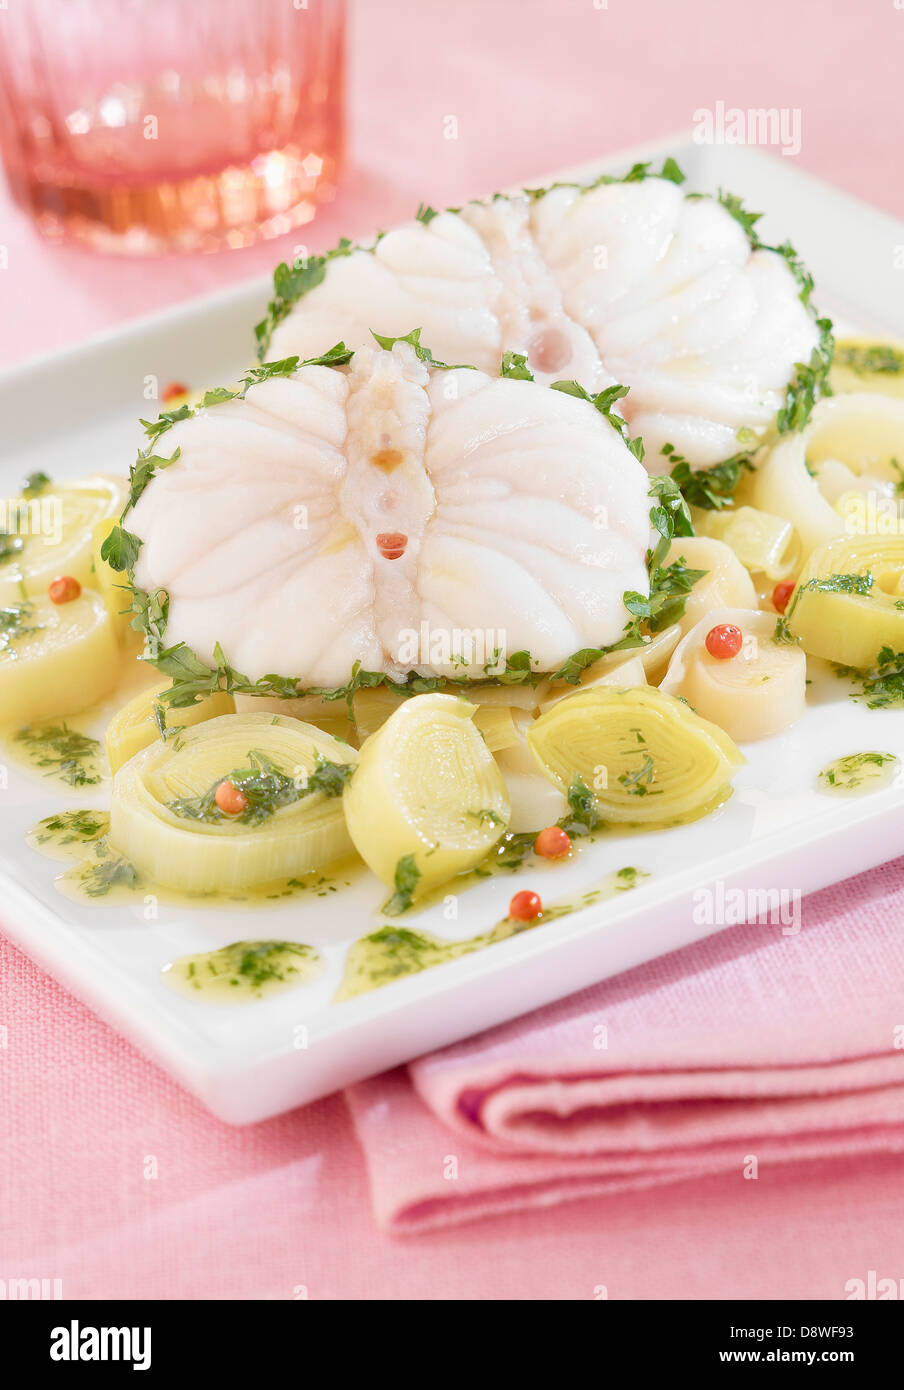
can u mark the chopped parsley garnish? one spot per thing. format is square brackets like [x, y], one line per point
[72, 827]
[810, 382]
[120, 549]
[511, 850]
[250, 963]
[35, 483]
[423, 354]
[290, 283]
[669, 584]
[583, 816]
[603, 401]
[329, 778]
[266, 789]
[14, 625]
[640, 781]
[110, 871]
[407, 877]
[514, 365]
[882, 685]
[850, 771]
[708, 488]
[10, 546]
[829, 584]
[629, 877]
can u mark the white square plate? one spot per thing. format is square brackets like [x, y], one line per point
[76, 412]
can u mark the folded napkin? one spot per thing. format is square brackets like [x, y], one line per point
[747, 1050]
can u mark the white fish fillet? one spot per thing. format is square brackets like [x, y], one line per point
[524, 518]
[629, 282]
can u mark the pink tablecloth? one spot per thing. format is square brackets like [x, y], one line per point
[110, 1176]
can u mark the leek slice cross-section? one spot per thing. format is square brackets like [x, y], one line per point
[849, 600]
[55, 659]
[725, 581]
[763, 543]
[840, 473]
[427, 795]
[138, 723]
[163, 821]
[52, 534]
[759, 692]
[646, 756]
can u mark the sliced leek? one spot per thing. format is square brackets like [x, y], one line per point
[757, 693]
[497, 725]
[143, 720]
[764, 544]
[849, 600]
[654, 654]
[427, 800]
[372, 708]
[535, 800]
[56, 531]
[645, 755]
[623, 674]
[55, 659]
[512, 696]
[329, 715]
[726, 582]
[163, 817]
[617, 668]
[852, 443]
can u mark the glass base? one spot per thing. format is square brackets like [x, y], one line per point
[275, 193]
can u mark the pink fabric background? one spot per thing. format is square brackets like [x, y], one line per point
[285, 1207]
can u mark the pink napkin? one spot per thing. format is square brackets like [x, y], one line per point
[749, 1049]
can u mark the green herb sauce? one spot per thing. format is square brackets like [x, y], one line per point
[16, 618]
[392, 952]
[98, 871]
[101, 872]
[68, 834]
[857, 773]
[243, 971]
[62, 752]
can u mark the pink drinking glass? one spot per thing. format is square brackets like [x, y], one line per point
[147, 126]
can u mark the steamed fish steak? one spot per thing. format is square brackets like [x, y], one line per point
[397, 515]
[627, 281]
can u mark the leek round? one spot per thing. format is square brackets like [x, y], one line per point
[753, 695]
[56, 529]
[764, 544]
[177, 850]
[55, 659]
[137, 725]
[853, 437]
[623, 674]
[535, 800]
[645, 755]
[427, 794]
[726, 582]
[849, 600]
[630, 666]
[496, 724]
